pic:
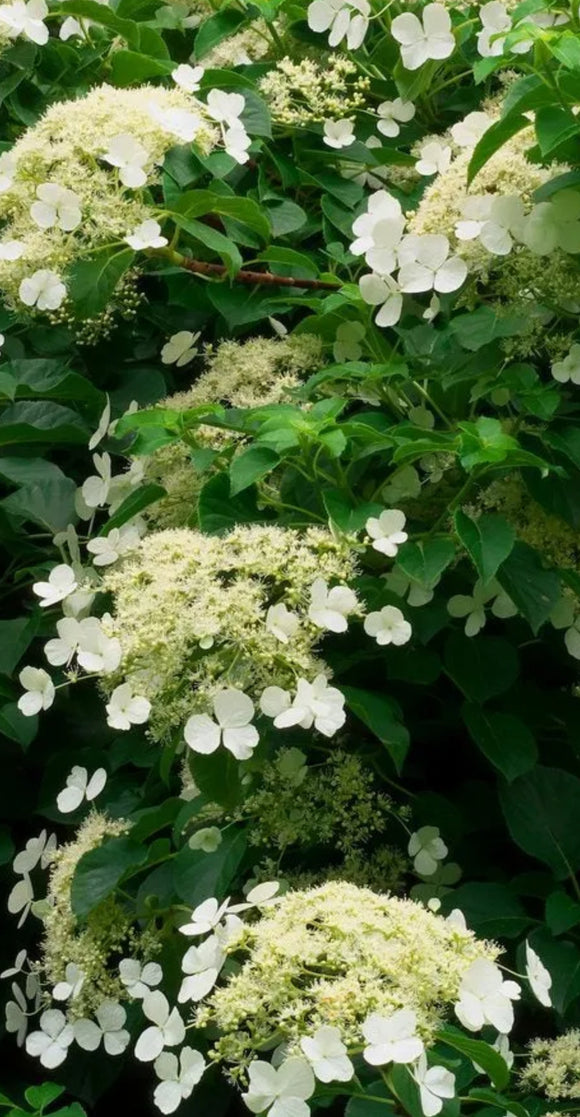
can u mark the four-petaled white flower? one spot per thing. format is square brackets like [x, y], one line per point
[39, 689]
[342, 18]
[329, 609]
[225, 108]
[130, 157]
[205, 917]
[71, 986]
[108, 1027]
[177, 1077]
[435, 158]
[391, 1039]
[188, 77]
[37, 851]
[539, 977]
[435, 1085]
[232, 727]
[381, 206]
[180, 349]
[485, 998]
[119, 541]
[568, 369]
[180, 123]
[386, 531]
[427, 848]
[393, 113]
[98, 652]
[209, 838]
[56, 206]
[425, 265]
[236, 143]
[52, 1042]
[420, 41]
[61, 582]
[338, 133]
[146, 235]
[281, 622]
[327, 1055]
[126, 709]
[468, 132]
[12, 249]
[26, 19]
[201, 965]
[137, 979]
[472, 607]
[496, 221]
[168, 1029]
[554, 224]
[315, 704]
[16, 1015]
[44, 289]
[388, 626]
[382, 291]
[95, 489]
[62, 648]
[495, 24]
[79, 787]
[282, 1091]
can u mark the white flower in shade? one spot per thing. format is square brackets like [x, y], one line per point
[12, 249]
[71, 986]
[109, 1027]
[391, 1039]
[202, 965]
[435, 158]
[539, 977]
[146, 235]
[381, 207]
[338, 133]
[392, 114]
[502, 1046]
[388, 626]
[425, 265]
[138, 979]
[472, 607]
[188, 77]
[52, 1042]
[504, 222]
[69, 29]
[61, 582]
[56, 206]
[180, 123]
[209, 838]
[97, 652]
[329, 609]
[342, 18]
[281, 1091]
[18, 966]
[237, 143]
[95, 489]
[168, 1029]
[16, 1019]
[130, 157]
[568, 370]
[126, 709]
[420, 41]
[282, 623]
[37, 851]
[347, 345]
[327, 1055]
[261, 895]
[26, 19]
[225, 108]
[436, 1084]
[119, 541]
[384, 292]
[177, 1077]
[554, 224]
[20, 899]
[233, 711]
[315, 704]
[80, 787]
[468, 132]
[180, 349]
[433, 309]
[485, 998]
[427, 848]
[399, 583]
[206, 917]
[386, 531]
[495, 24]
[39, 689]
[43, 289]
[102, 428]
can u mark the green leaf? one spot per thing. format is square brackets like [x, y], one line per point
[554, 126]
[489, 1097]
[478, 1052]
[504, 739]
[51, 379]
[425, 562]
[541, 810]
[41, 1096]
[487, 540]
[16, 726]
[92, 282]
[44, 422]
[494, 138]
[491, 910]
[48, 501]
[100, 871]
[479, 327]
[285, 217]
[289, 258]
[103, 16]
[566, 49]
[195, 203]
[130, 68]
[218, 27]
[249, 466]
[212, 239]
[366, 1106]
[133, 504]
[481, 666]
[562, 912]
[198, 875]
[349, 517]
[382, 716]
[15, 637]
[533, 589]
[219, 511]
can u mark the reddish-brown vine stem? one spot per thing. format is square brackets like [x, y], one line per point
[201, 267]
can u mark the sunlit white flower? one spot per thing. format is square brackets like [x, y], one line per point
[80, 787]
[427, 848]
[281, 1091]
[338, 133]
[435, 1085]
[119, 541]
[539, 977]
[420, 41]
[384, 292]
[485, 998]
[425, 265]
[233, 711]
[39, 689]
[16, 1015]
[51, 1043]
[188, 77]
[26, 19]
[56, 206]
[206, 917]
[393, 113]
[108, 1027]
[69, 28]
[281, 622]
[391, 1039]
[95, 489]
[347, 345]
[201, 965]
[435, 158]
[327, 1055]
[315, 704]
[146, 235]
[386, 531]
[168, 1029]
[61, 582]
[138, 979]
[342, 18]
[126, 153]
[125, 709]
[388, 626]
[472, 607]
[62, 649]
[495, 24]
[180, 123]
[237, 143]
[177, 1077]
[180, 349]
[329, 609]
[225, 108]
[97, 652]
[568, 369]
[43, 289]
[12, 249]
[71, 986]
[468, 132]
[381, 207]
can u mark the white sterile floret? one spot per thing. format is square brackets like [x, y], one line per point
[25, 19]
[56, 206]
[232, 727]
[427, 848]
[201, 965]
[80, 787]
[236, 143]
[70, 988]
[554, 224]
[391, 1039]
[52, 1042]
[20, 900]
[95, 489]
[168, 1029]
[37, 851]
[282, 1091]
[126, 153]
[485, 998]
[180, 123]
[107, 549]
[388, 626]
[347, 345]
[125, 709]
[315, 704]
[496, 221]
[472, 607]
[381, 207]
[468, 132]
[225, 108]
[568, 369]
[44, 289]
[435, 158]
[344, 19]
[425, 265]
[329, 608]
[387, 532]
[206, 916]
[180, 349]
[18, 966]
[61, 582]
[138, 979]
[108, 1027]
[209, 838]
[177, 1077]
[393, 113]
[69, 28]
[539, 977]
[188, 77]
[420, 41]
[39, 689]
[327, 1055]
[146, 235]
[281, 622]
[102, 427]
[398, 582]
[495, 24]
[436, 1084]
[12, 250]
[384, 292]
[16, 1015]
[339, 133]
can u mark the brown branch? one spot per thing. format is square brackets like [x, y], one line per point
[201, 267]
